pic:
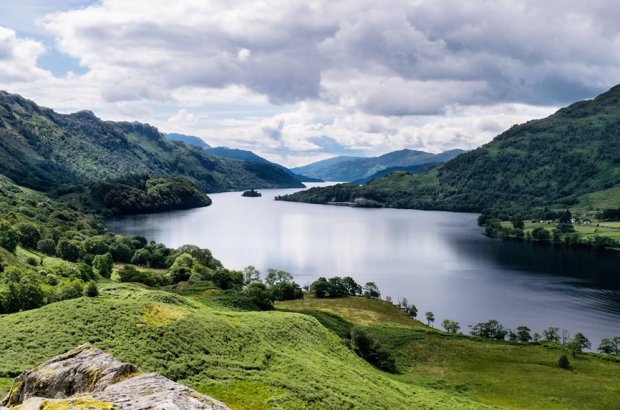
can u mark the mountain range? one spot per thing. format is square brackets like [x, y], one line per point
[45, 150]
[361, 169]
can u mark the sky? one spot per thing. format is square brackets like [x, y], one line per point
[299, 81]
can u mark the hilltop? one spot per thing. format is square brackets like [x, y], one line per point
[44, 150]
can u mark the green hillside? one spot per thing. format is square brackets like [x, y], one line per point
[360, 169]
[42, 149]
[570, 159]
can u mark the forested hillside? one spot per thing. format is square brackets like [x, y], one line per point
[44, 150]
[571, 158]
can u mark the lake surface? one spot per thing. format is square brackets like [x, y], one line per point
[440, 261]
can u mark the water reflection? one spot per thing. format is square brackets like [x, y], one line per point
[440, 261]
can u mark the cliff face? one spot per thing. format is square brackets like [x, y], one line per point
[87, 378]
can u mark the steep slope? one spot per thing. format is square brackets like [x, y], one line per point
[42, 149]
[188, 139]
[566, 159]
[361, 169]
[234, 153]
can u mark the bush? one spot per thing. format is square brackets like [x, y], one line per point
[8, 237]
[103, 264]
[28, 234]
[287, 291]
[563, 362]
[130, 274]
[68, 250]
[372, 351]
[47, 246]
[91, 290]
[32, 261]
[261, 295]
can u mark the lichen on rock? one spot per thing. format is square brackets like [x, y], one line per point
[87, 378]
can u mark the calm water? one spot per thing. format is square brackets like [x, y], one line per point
[441, 261]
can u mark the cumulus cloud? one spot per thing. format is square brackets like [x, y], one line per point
[18, 58]
[295, 78]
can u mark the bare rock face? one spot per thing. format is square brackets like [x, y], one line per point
[87, 378]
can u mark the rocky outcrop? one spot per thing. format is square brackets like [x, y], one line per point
[87, 378]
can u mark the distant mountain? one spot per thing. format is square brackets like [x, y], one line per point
[188, 139]
[44, 150]
[234, 153]
[569, 159]
[361, 169]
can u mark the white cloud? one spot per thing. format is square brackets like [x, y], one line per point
[295, 79]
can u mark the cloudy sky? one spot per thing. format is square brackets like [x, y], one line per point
[297, 81]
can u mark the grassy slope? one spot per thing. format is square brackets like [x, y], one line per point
[247, 359]
[496, 373]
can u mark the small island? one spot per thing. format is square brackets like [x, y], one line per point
[251, 193]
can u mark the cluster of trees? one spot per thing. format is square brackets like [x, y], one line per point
[371, 350]
[337, 287]
[277, 285]
[24, 289]
[138, 193]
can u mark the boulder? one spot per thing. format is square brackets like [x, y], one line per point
[87, 378]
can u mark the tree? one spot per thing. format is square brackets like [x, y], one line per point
[227, 279]
[566, 217]
[337, 287]
[412, 311]
[552, 334]
[489, 330]
[28, 234]
[430, 318]
[607, 346]
[8, 237]
[371, 290]
[141, 257]
[47, 246]
[563, 362]
[103, 264]
[276, 276]
[69, 250]
[541, 234]
[451, 326]
[250, 274]
[287, 291]
[579, 343]
[517, 223]
[523, 334]
[352, 287]
[121, 252]
[260, 294]
[371, 350]
[181, 269]
[91, 289]
[320, 287]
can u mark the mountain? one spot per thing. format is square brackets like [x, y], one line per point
[571, 158]
[361, 168]
[188, 139]
[44, 150]
[234, 153]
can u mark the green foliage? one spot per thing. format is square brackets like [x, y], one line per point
[129, 273]
[523, 334]
[262, 296]
[489, 330]
[563, 362]
[47, 246]
[336, 287]
[135, 194]
[69, 250]
[451, 326]
[579, 343]
[28, 234]
[8, 236]
[371, 290]
[227, 279]
[541, 234]
[275, 276]
[371, 350]
[102, 265]
[91, 289]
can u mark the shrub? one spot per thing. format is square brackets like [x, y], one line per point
[371, 350]
[102, 265]
[563, 362]
[47, 246]
[32, 261]
[68, 249]
[91, 289]
[8, 237]
[28, 234]
[261, 295]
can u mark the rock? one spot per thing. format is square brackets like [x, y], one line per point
[87, 378]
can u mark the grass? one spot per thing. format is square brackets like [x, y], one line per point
[606, 199]
[608, 229]
[508, 375]
[275, 360]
